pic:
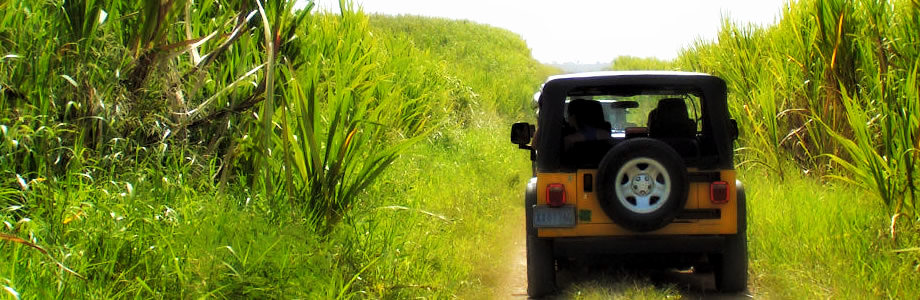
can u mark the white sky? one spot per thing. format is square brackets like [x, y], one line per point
[589, 31]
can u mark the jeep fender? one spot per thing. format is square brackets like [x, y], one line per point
[742, 207]
[530, 199]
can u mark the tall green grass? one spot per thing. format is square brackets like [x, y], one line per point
[495, 61]
[626, 63]
[161, 232]
[438, 220]
[811, 239]
[829, 92]
[207, 149]
[832, 88]
[340, 127]
[205, 75]
[826, 100]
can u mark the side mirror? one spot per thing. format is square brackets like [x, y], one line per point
[522, 133]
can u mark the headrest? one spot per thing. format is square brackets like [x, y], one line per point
[670, 119]
[588, 112]
[673, 108]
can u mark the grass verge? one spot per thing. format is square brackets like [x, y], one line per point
[434, 226]
[439, 218]
[809, 239]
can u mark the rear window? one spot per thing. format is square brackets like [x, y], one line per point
[622, 112]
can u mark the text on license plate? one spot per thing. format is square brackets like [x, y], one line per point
[545, 216]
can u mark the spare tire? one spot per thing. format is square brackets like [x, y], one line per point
[642, 184]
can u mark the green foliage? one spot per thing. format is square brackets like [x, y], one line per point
[627, 63]
[151, 154]
[82, 18]
[496, 62]
[829, 88]
[351, 107]
[831, 91]
[841, 244]
[335, 159]
[212, 149]
[439, 218]
[189, 242]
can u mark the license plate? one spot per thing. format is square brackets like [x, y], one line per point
[545, 216]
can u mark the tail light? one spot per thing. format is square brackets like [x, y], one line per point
[555, 194]
[718, 192]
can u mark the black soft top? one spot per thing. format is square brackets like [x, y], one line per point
[611, 74]
[711, 89]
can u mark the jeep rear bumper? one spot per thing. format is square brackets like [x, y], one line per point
[578, 246]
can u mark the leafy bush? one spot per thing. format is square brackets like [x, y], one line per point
[231, 149]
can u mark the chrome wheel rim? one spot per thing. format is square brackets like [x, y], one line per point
[642, 185]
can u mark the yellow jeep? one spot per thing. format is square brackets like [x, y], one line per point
[633, 163]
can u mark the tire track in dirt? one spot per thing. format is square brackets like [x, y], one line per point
[514, 283]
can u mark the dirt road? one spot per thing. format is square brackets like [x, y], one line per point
[514, 284]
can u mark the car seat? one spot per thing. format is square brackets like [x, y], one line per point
[670, 123]
[671, 120]
[587, 154]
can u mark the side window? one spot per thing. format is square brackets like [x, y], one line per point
[694, 110]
